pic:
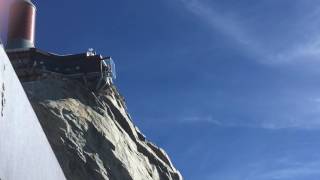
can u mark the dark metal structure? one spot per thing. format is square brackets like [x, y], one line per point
[31, 63]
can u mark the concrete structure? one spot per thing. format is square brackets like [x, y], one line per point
[24, 150]
[21, 30]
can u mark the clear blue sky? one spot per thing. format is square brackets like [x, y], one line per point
[230, 89]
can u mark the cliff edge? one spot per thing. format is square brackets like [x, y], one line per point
[92, 134]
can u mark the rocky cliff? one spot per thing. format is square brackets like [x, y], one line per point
[92, 134]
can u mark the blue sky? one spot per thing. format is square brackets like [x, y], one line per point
[230, 89]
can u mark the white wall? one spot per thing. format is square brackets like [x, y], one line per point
[25, 153]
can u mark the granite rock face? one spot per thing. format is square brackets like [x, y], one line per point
[92, 134]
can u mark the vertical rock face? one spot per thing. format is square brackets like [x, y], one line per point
[92, 134]
[25, 152]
